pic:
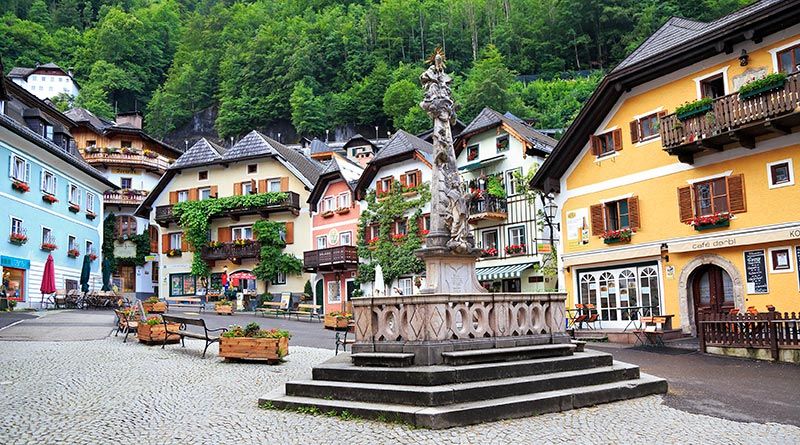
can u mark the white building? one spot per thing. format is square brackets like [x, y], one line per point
[45, 81]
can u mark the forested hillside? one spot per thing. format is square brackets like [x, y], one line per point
[324, 63]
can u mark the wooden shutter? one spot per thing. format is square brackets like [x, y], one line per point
[214, 191]
[253, 186]
[237, 188]
[262, 186]
[633, 213]
[379, 188]
[184, 243]
[289, 232]
[596, 214]
[635, 131]
[736, 200]
[193, 195]
[617, 137]
[594, 144]
[403, 180]
[285, 184]
[153, 239]
[685, 203]
[173, 198]
[224, 234]
[418, 174]
[164, 243]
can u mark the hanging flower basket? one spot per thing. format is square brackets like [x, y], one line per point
[48, 247]
[74, 208]
[20, 186]
[18, 239]
[617, 236]
[73, 253]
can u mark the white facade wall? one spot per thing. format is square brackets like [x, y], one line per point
[45, 86]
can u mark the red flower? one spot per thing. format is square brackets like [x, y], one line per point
[73, 253]
[399, 236]
[20, 186]
[49, 198]
[424, 231]
[92, 256]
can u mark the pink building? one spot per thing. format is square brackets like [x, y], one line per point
[335, 215]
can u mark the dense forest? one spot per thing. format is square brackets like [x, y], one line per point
[322, 63]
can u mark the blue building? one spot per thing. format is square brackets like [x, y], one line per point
[51, 199]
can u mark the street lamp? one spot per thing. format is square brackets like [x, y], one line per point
[550, 210]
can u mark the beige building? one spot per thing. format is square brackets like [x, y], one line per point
[256, 164]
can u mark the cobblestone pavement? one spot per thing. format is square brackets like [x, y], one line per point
[104, 391]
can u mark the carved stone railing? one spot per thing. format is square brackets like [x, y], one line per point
[428, 325]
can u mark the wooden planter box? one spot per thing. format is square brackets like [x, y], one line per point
[271, 349]
[223, 309]
[332, 322]
[155, 308]
[155, 334]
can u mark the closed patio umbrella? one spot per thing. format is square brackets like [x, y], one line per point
[48, 278]
[87, 268]
[106, 275]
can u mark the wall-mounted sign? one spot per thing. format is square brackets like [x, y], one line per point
[755, 266]
[578, 227]
[125, 249]
[151, 257]
[333, 237]
[670, 272]
[123, 171]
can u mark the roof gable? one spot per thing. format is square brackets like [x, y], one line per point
[402, 146]
[201, 153]
[488, 119]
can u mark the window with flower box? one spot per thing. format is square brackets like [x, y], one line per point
[343, 201]
[16, 227]
[712, 201]
[373, 232]
[615, 220]
[89, 247]
[411, 179]
[49, 182]
[242, 233]
[384, 186]
[490, 239]
[516, 240]
[472, 152]
[19, 169]
[74, 194]
[175, 240]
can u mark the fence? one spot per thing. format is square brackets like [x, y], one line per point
[766, 330]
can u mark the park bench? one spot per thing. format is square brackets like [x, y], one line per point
[341, 337]
[651, 331]
[311, 310]
[183, 322]
[126, 324]
[190, 302]
[276, 307]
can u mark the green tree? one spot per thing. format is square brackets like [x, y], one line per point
[272, 260]
[67, 14]
[39, 13]
[308, 110]
[399, 98]
[488, 84]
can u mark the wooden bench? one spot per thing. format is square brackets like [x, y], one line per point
[651, 331]
[183, 332]
[312, 310]
[126, 324]
[192, 302]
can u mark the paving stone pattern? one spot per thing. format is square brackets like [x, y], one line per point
[104, 391]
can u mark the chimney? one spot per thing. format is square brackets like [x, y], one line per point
[130, 119]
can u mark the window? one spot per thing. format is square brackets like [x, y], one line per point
[328, 204]
[48, 131]
[401, 227]
[245, 232]
[412, 178]
[489, 240]
[91, 143]
[512, 188]
[16, 226]
[472, 152]
[645, 128]
[202, 175]
[789, 60]
[252, 168]
[126, 225]
[205, 193]
[346, 238]
[72, 243]
[373, 232]
[47, 236]
[616, 214]
[247, 188]
[502, 143]
[606, 143]
[343, 201]
[175, 241]
[74, 194]
[516, 236]
[334, 292]
[20, 169]
[89, 247]
[781, 173]
[322, 242]
[126, 144]
[183, 195]
[280, 278]
[89, 202]
[126, 183]
[385, 185]
[274, 185]
[405, 286]
[710, 197]
[426, 222]
[48, 182]
[712, 87]
[780, 260]
[181, 284]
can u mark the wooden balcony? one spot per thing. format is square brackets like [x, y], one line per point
[165, 214]
[157, 164]
[330, 259]
[131, 198]
[231, 252]
[733, 120]
[488, 208]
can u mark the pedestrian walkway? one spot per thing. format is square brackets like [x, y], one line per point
[62, 325]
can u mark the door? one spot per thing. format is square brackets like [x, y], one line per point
[128, 275]
[319, 293]
[712, 290]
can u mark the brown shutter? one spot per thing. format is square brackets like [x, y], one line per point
[253, 186]
[635, 131]
[289, 232]
[403, 180]
[184, 243]
[153, 239]
[419, 177]
[214, 191]
[736, 200]
[237, 188]
[262, 186]
[594, 144]
[685, 203]
[173, 198]
[224, 234]
[379, 188]
[617, 137]
[164, 243]
[285, 184]
[596, 213]
[633, 213]
[193, 195]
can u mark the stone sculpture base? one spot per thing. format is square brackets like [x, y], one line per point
[449, 273]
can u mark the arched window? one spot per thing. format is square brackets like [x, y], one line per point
[648, 279]
[126, 226]
[608, 296]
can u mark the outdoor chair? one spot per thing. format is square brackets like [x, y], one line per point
[593, 317]
[581, 316]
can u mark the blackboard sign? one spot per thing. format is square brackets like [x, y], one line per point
[755, 265]
[797, 255]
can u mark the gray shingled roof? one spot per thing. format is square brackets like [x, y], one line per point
[202, 152]
[489, 118]
[256, 145]
[19, 71]
[403, 142]
[84, 115]
[318, 146]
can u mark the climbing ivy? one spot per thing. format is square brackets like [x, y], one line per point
[194, 217]
[396, 255]
[142, 242]
[272, 259]
[109, 227]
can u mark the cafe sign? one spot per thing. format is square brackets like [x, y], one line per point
[728, 240]
[125, 249]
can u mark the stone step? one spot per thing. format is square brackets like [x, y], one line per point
[480, 411]
[589, 336]
[341, 369]
[580, 345]
[474, 356]
[461, 392]
[383, 359]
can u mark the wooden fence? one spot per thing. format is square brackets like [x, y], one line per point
[766, 330]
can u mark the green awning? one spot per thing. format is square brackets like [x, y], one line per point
[483, 163]
[501, 272]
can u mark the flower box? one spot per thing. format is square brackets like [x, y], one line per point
[692, 109]
[73, 253]
[771, 82]
[716, 225]
[74, 208]
[271, 349]
[336, 322]
[20, 186]
[342, 210]
[17, 239]
[50, 199]
[617, 236]
[150, 154]
[616, 240]
[327, 214]
[223, 309]
[91, 215]
[48, 247]
[155, 308]
[516, 249]
[155, 334]
[491, 252]
[173, 253]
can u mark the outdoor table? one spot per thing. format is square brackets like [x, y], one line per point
[639, 312]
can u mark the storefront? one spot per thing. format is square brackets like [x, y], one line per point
[15, 275]
[502, 278]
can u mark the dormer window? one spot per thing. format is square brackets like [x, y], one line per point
[472, 152]
[48, 132]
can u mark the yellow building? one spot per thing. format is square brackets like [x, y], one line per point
[679, 210]
[256, 164]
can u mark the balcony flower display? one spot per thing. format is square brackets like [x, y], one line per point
[489, 252]
[617, 236]
[74, 208]
[49, 199]
[112, 150]
[91, 149]
[150, 154]
[719, 219]
[73, 253]
[128, 151]
[242, 242]
[695, 108]
[398, 237]
[756, 87]
[20, 186]
[49, 247]
[172, 253]
[18, 238]
[515, 249]
[214, 244]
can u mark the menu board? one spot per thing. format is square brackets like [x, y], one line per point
[755, 265]
[797, 255]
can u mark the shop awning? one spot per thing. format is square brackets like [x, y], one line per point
[242, 276]
[483, 163]
[500, 272]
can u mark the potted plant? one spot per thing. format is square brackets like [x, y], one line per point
[490, 252]
[73, 253]
[74, 208]
[152, 331]
[50, 199]
[172, 253]
[617, 236]
[18, 238]
[757, 87]
[720, 219]
[372, 244]
[494, 187]
[20, 186]
[252, 342]
[150, 154]
[48, 247]
[92, 256]
[223, 307]
[337, 320]
[515, 249]
[154, 305]
[695, 108]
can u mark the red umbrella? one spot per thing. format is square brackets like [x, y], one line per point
[48, 277]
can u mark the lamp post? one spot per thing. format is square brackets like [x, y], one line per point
[550, 212]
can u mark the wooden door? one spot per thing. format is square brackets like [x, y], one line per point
[128, 275]
[712, 290]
